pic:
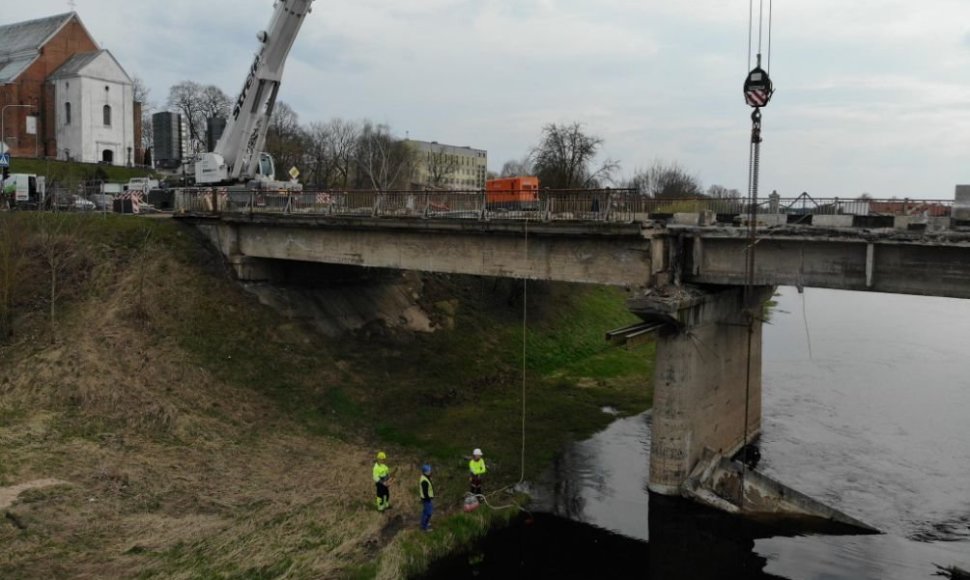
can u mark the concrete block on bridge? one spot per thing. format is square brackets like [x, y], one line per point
[767, 220]
[686, 219]
[703, 218]
[937, 224]
[832, 221]
[961, 204]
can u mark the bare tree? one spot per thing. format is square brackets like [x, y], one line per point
[318, 155]
[663, 180]
[440, 166]
[517, 167]
[214, 102]
[142, 94]
[58, 237]
[197, 104]
[382, 160]
[285, 139]
[344, 137]
[640, 182]
[329, 152]
[12, 260]
[721, 192]
[564, 158]
[185, 98]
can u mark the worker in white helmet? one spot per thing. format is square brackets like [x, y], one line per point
[476, 470]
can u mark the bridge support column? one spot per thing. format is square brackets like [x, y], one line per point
[701, 376]
[225, 237]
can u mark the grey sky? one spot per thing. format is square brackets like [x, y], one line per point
[873, 95]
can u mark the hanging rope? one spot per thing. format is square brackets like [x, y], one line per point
[758, 90]
[525, 331]
[770, 15]
[525, 342]
[808, 335]
[750, 29]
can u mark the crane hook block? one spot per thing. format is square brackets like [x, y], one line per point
[758, 88]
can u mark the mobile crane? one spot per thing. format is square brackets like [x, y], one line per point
[238, 157]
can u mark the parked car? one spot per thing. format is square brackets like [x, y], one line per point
[102, 201]
[71, 202]
[81, 204]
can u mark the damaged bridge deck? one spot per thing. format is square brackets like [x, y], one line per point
[878, 260]
[636, 254]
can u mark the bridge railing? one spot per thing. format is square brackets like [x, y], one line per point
[602, 205]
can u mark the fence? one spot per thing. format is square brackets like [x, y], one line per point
[600, 205]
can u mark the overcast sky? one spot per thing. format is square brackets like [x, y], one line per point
[873, 95]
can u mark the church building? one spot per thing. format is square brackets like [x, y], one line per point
[64, 97]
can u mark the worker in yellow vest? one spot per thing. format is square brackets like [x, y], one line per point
[476, 470]
[382, 476]
[426, 492]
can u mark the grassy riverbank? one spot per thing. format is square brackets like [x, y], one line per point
[198, 433]
[71, 173]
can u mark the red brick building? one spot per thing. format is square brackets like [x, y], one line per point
[35, 53]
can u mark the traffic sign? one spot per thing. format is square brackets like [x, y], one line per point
[4, 160]
[294, 172]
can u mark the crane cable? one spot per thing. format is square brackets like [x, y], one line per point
[525, 335]
[758, 90]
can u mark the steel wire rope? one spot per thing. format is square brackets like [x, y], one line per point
[808, 335]
[754, 168]
[761, 22]
[525, 331]
[750, 29]
[770, 15]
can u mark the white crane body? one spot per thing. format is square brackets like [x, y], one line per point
[238, 157]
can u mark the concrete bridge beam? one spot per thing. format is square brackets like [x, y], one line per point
[701, 378]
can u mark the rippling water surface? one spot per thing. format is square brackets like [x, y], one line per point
[866, 407]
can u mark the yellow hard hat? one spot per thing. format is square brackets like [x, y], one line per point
[381, 455]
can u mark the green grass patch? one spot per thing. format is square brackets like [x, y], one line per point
[69, 173]
[466, 392]
[413, 551]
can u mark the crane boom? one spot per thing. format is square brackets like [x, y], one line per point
[238, 155]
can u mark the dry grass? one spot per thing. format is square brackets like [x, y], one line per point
[173, 473]
[203, 436]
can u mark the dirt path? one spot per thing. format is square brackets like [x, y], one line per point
[9, 494]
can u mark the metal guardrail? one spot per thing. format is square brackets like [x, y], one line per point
[601, 205]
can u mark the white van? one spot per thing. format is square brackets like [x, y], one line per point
[143, 184]
[24, 189]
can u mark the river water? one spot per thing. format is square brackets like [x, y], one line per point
[866, 408]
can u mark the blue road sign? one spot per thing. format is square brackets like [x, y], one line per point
[4, 160]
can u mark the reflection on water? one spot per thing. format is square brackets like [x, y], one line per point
[871, 418]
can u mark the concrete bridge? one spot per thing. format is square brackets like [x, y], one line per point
[687, 269]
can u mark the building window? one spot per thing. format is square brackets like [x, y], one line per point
[67, 113]
[107, 115]
[108, 156]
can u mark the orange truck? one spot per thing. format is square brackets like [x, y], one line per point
[513, 193]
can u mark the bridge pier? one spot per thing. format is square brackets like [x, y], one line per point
[701, 376]
[246, 268]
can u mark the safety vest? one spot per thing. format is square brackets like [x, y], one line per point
[477, 467]
[423, 479]
[381, 471]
